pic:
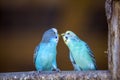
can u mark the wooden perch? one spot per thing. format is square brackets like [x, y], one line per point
[63, 75]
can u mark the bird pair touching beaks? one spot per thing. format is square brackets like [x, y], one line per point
[81, 56]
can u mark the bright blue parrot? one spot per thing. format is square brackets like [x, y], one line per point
[45, 52]
[81, 56]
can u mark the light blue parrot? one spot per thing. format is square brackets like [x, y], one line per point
[81, 56]
[45, 52]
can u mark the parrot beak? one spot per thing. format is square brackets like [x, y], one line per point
[58, 35]
[62, 34]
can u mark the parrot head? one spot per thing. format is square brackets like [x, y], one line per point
[50, 35]
[69, 36]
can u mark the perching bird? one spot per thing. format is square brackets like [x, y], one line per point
[81, 56]
[45, 52]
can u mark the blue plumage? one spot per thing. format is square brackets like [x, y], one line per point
[81, 56]
[45, 53]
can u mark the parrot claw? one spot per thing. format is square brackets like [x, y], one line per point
[57, 70]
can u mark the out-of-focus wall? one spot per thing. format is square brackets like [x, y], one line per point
[23, 22]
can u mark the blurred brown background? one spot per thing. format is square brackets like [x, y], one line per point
[23, 22]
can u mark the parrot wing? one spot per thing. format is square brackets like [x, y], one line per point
[35, 53]
[91, 55]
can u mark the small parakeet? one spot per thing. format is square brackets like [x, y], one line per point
[80, 55]
[45, 52]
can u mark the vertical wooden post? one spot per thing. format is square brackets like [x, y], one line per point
[113, 18]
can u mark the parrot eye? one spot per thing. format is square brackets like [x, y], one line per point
[68, 33]
[54, 32]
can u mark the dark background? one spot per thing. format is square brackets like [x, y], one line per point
[22, 23]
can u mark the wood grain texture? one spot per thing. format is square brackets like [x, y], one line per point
[114, 41]
[63, 75]
[108, 9]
